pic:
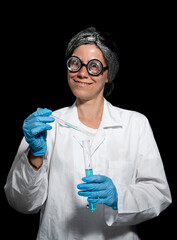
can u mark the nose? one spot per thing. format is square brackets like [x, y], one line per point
[83, 72]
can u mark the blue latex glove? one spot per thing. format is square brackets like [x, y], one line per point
[34, 128]
[100, 190]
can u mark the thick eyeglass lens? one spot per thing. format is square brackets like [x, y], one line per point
[74, 64]
[94, 67]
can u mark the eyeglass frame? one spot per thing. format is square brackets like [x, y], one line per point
[86, 65]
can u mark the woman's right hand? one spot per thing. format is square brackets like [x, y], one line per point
[35, 130]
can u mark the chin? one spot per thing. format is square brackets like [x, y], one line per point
[85, 96]
[82, 96]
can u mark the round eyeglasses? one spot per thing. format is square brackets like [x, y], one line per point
[94, 66]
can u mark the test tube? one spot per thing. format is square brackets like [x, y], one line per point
[88, 166]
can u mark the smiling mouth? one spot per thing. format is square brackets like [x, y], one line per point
[79, 83]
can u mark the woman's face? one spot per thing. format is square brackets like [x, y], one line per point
[83, 85]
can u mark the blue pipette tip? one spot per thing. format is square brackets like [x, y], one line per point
[71, 126]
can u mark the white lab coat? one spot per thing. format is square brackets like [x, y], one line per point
[123, 149]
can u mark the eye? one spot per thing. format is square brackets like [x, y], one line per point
[74, 64]
[95, 67]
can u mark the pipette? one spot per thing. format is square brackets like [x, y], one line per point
[64, 123]
[67, 124]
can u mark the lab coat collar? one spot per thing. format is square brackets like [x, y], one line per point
[111, 117]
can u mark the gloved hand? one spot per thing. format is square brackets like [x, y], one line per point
[34, 128]
[100, 190]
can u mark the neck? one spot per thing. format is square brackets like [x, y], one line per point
[90, 112]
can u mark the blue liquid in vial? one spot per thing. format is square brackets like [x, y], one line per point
[88, 172]
[92, 206]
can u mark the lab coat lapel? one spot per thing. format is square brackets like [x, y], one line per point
[110, 119]
[98, 140]
[71, 115]
[111, 116]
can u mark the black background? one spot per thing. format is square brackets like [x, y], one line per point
[34, 40]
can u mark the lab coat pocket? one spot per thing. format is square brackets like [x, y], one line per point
[121, 171]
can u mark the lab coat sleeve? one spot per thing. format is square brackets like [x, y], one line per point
[149, 193]
[26, 189]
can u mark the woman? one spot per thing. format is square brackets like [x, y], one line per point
[129, 184]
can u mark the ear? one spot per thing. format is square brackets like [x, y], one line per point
[107, 80]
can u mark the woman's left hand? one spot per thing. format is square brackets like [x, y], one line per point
[100, 190]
